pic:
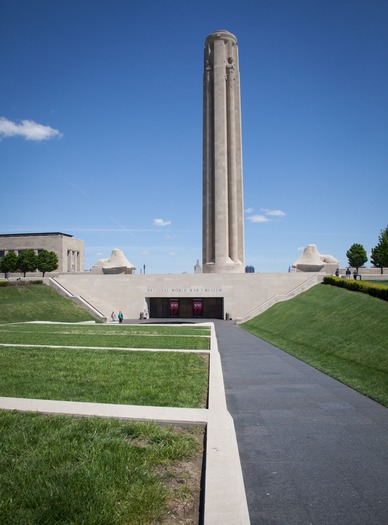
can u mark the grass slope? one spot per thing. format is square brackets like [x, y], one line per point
[38, 303]
[344, 334]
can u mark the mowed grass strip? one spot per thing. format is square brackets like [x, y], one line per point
[120, 336]
[172, 379]
[344, 334]
[107, 329]
[56, 469]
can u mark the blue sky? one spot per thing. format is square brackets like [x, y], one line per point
[101, 125]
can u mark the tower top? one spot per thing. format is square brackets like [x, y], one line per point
[222, 34]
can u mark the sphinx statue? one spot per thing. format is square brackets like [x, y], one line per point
[313, 261]
[117, 263]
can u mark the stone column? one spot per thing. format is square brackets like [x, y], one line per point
[223, 220]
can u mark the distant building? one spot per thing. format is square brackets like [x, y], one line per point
[197, 267]
[70, 251]
[249, 269]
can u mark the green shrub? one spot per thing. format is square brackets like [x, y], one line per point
[20, 282]
[375, 290]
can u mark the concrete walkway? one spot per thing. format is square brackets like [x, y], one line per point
[312, 450]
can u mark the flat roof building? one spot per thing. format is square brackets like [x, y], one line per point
[70, 251]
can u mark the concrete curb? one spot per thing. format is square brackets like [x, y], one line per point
[225, 499]
[168, 415]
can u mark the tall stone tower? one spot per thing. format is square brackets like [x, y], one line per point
[223, 214]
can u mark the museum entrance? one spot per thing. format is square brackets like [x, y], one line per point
[186, 307]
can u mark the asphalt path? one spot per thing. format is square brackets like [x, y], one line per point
[312, 450]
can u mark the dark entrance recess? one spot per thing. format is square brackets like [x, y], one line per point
[186, 307]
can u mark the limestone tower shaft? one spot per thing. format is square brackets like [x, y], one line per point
[223, 214]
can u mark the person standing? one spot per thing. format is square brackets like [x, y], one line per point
[120, 316]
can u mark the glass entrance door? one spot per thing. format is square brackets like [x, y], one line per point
[174, 308]
[197, 307]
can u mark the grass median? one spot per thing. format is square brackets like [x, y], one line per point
[64, 470]
[104, 376]
[113, 336]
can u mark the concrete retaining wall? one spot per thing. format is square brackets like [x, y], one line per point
[242, 293]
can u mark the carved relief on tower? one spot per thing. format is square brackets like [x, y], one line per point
[208, 60]
[229, 68]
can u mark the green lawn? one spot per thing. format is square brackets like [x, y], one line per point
[115, 336]
[91, 471]
[86, 374]
[71, 471]
[104, 376]
[342, 333]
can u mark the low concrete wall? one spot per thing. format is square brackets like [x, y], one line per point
[77, 299]
[374, 273]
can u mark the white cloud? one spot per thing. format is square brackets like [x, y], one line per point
[267, 215]
[273, 213]
[28, 129]
[161, 222]
[258, 218]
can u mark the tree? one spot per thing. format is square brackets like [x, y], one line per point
[357, 256]
[379, 254]
[9, 263]
[27, 261]
[47, 261]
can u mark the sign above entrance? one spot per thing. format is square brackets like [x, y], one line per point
[184, 290]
